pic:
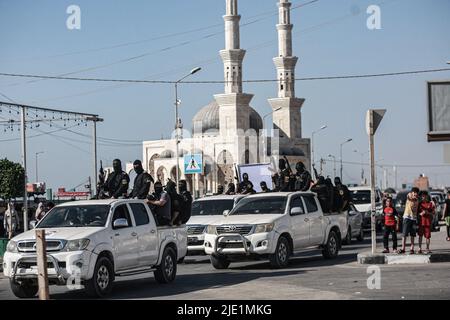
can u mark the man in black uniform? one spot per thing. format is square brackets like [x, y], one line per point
[321, 189]
[243, 185]
[186, 203]
[302, 177]
[117, 182]
[142, 182]
[231, 189]
[344, 193]
[282, 179]
[220, 190]
[264, 187]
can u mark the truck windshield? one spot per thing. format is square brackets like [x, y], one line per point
[362, 196]
[211, 207]
[266, 205]
[76, 216]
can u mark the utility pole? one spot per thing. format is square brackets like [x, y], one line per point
[36, 154]
[373, 120]
[334, 164]
[94, 120]
[312, 145]
[24, 163]
[342, 166]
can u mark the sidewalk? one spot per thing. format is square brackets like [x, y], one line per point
[440, 251]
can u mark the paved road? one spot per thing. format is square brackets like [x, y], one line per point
[309, 276]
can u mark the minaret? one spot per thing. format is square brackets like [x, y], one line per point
[234, 108]
[288, 118]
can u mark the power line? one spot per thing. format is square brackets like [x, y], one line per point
[339, 77]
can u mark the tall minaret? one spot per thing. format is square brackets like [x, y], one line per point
[288, 118]
[233, 104]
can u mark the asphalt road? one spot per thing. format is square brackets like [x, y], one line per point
[308, 276]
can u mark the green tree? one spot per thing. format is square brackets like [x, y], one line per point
[12, 179]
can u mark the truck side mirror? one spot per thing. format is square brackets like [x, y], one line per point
[120, 223]
[226, 213]
[33, 224]
[297, 211]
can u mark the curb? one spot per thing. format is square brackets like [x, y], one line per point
[380, 258]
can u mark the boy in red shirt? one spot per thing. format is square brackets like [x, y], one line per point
[390, 225]
[426, 213]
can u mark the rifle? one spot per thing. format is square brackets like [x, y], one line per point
[101, 181]
[315, 172]
[237, 177]
[288, 165]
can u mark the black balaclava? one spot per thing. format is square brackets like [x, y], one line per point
[220, 189]
[182, 185]
[337, 181]
[245, 177]
[282, 164]
[249, 186]
[138, 166]
[117, 165]
[231, 187]
[263, 185]
[328, 182]
[321, 180]
[158, 187]
[300, 167]
[171, 187]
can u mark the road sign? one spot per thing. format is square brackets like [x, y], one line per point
[373, 120]
[193, 163]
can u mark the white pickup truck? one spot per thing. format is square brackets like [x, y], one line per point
[92, 242]
[274, 226]
[206, 211]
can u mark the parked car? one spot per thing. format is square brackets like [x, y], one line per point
[206, 211]
[355, 227]
[96, 240]
[274, 226]
[362, 202]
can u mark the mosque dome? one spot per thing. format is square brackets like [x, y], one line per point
[207, 118]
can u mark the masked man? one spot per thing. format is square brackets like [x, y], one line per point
[142, 182]
[117, 182]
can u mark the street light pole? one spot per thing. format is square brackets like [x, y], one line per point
[334, 164]
[312, 145]
[342, 166]
[36, 155]
[178, 124]
[264, 130]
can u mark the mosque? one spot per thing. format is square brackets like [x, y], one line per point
[228, 131]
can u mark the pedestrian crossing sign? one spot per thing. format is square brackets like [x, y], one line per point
[193, 163]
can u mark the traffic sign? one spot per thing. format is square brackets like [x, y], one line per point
[193, 163]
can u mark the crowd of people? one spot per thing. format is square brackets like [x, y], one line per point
[169, 205]
[333, 198]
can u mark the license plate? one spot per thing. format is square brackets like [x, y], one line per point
[192, 239]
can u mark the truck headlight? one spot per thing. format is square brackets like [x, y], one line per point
[77, 245]
[266, 227]
[211, 230]
[12, 246]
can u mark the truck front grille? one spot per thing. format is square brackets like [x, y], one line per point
[30, 245]
[240, 229]
[195, 229]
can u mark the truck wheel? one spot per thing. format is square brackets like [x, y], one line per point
[25, 289]
[100, 285]
[167, 270]
[331, 249]
[280, 258]
[219, 262]
[360, 237]
[348, 237]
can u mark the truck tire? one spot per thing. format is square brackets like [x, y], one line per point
[100, 285]
[167, 270]
[280, 258]
[25, 289]
[331, 249]
[219, 263]
[348, 237]
[360, 237]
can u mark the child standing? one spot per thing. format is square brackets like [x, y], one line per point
[390, 225]
[426, 214]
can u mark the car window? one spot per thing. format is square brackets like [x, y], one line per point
[140, 214]
[311, 204]
[76, 216]
[121, 212]
[259, 205]
[211, 207]
[297, 203]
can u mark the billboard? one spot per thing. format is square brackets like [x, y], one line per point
[439, 111]
[257, 173]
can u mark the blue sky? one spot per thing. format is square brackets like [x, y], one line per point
[330, 38]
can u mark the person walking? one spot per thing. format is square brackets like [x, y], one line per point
[446, 215]
[426, 213]
[11, 220]
[410, 219]
[390, 225]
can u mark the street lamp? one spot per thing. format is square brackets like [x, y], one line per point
[36, 155]
[178, 122]
[334, 163]
[264, 130]
[312, 145]
[342, 168]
